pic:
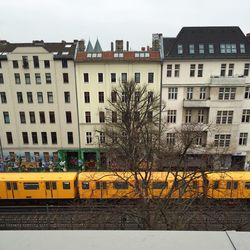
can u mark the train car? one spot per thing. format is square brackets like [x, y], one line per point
[38, 185]
[229, 185]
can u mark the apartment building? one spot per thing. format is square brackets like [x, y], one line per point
[38, 111]
[205, 80]
[97, 73]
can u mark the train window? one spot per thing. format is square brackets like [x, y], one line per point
[53, 185]
[247, 185]
[229, 184]
[195, 184]
[47, 185]
[235, 184]
[120, 185]
[14, 185]
[159, 185]
[101, 185]
[31, 185]
[66, 185]
[176, 184]
[8, 185]
[85, 185]
[216, 185]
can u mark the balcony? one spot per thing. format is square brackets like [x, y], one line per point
[196, 103]
[228, 80]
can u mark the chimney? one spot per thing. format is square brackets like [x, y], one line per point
[248, 37]
[119, 45]
[142, 48]
[148, 49]
[81, 45]
[3, 42]
[112, 46]
[127, 45]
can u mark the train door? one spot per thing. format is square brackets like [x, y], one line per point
[51, 189]
[231, 189]
[11, 190]
[101, 190]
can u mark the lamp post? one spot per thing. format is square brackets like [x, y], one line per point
[1, 149]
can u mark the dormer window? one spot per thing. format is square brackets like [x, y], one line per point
[141, 54]
[223, 48]
[211, 48]
[180, 49]
[229, 48]
[94, 55]
[118, 55]
[191, 48]
[242, 48]
[201, 48]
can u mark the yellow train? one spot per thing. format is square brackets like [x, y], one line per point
[124, 185]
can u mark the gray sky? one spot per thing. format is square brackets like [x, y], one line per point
[133, 20]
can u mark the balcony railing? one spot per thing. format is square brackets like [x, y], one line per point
[236, 80]
[196, 103]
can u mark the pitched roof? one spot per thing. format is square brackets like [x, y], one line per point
[89, 47]
[98, 47]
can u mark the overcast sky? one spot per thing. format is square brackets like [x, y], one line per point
[133, 20]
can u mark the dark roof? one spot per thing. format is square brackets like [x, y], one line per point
[206, 36]
[65, 50]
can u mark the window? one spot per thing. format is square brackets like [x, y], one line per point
[200, 116]
[102, 137]
[242, 48]
[150, 77]
[191, 48]
[216, 185]
[150, 116]
[3, 97]
[179, 49]
[200, 70]
[171, 116]
[247, 185]
[53, 138]
[100, 77]
[85, 185]
[15, 64]
[101, 117]
[42, 117]
[192, 70]
[39, 97]
[19, 97]
[113, 77]
[70, 137]
[48, 185]
[67, 97]
[118, 55]
[190, 93]
[124, 78]
[228, 48]
[66, 185]
[36, 61]
[223, 69]
[46, 64]
[17, 78]
[201, 49]
[87, 117]
[65, 78]
[6, 117]
[169, 70]
[85, 77]
[9, 137]
[247, 93]
[231, 69]
[68, 117]
[137, 96]
[29, 97]
[101, 185]
[44, 138]
[245, 115]
[48, 77]
[113, 97]
[88, 137]
[243, 139]
[31, 185]
[64, 63]
[159, 185]
[137, 77]
[227, 93]
[232, 184]
[38, 78]
[188, 117]
[101, 97]
[22, 117]
[222, 140]
[32, 117]
[224, 117]
[52, 117]
[246, 69]
[150, 96]
[25, 62]
[86, 97]
[211, 48]
[27, 78]
[50, 97]
[34, 137]
[202, 93]
[120, 185]
[25, 138]
[1, 78]
[171, 138]
[172, 93]
[114, 116]
[177, 70]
